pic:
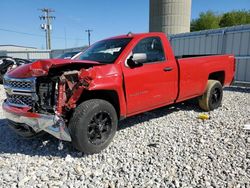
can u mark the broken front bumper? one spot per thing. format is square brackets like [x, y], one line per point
[53, 124]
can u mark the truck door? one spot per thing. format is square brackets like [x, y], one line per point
[153, 82]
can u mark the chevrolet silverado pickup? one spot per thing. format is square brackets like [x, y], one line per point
[81, 100]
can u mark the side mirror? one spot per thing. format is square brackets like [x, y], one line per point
[136, 60]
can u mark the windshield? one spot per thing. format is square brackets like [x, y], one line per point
[106, 51]
[67, 55]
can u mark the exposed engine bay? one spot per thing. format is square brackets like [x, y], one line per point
[58, 92]
[55, 93]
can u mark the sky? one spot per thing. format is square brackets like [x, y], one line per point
[105, 17]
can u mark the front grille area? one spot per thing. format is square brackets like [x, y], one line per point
[20, 100]
[20, 92]
[20, 84]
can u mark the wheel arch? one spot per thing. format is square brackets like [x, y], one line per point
[109, 95]
[219, 76]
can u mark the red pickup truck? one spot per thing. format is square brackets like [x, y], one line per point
[81, 100]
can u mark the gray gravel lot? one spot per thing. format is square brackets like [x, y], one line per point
[167, 147]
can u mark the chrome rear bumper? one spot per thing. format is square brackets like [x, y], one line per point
[52, 124]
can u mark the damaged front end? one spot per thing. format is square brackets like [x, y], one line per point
[52, 124]
[45, 103]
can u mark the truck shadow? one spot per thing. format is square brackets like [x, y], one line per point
[47, 145]
[190, 105]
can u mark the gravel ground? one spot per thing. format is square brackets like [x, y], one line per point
[168, 147]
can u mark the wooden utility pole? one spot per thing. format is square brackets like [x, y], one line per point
[48, 25]
[89, 34]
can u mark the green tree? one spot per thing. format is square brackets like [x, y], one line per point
[206, 20]
[235, 18]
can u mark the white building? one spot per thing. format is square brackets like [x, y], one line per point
[10, 47]
[24, 52]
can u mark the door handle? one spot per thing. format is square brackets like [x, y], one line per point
[167, 69]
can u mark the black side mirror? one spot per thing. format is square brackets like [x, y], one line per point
[136, 60]
[133, 64]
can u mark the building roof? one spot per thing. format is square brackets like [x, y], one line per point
[19, 46]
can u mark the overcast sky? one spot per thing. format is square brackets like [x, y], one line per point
[105, 17]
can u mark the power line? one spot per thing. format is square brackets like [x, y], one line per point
[19, 32]
[37, 35]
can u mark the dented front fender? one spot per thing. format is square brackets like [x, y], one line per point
[107, 77]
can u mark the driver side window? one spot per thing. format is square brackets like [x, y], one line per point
[152, 48]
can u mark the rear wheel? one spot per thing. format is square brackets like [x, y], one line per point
[93, 125]
[212, 97]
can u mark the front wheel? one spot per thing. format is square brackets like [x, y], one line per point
[93, 125]
[212, 97]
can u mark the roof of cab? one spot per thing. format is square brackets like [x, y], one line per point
[133, 35]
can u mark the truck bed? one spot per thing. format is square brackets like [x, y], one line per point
[194, 71]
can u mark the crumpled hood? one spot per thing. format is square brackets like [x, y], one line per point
[42, 67]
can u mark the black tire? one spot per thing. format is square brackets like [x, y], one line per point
[24, 130]
[212, 97]
[93, 125]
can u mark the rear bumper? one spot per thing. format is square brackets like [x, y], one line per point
[53, 124]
